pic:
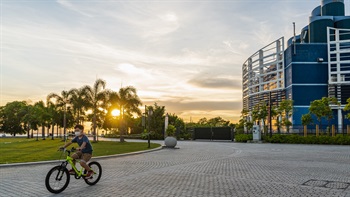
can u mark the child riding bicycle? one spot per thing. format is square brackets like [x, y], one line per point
[84, 151]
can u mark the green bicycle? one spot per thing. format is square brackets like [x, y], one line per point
[57, 179]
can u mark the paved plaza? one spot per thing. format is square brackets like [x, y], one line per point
[203, 168]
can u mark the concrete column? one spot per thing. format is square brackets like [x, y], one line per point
[340, 121]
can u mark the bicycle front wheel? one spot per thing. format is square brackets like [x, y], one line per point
[57, 179]
[96, 167]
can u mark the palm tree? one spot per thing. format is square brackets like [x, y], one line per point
[26, 119]
[95, 98]
[78, 104]
[43, 116]
[61, 101]
[52, 111]
[57, 119]
[128, 102]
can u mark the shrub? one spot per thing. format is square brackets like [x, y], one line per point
[342, 140]
[311, 140]
[243, 137]
[170, 131]
[275, 138]
[297, 139]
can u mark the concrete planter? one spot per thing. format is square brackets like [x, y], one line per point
[170, 142]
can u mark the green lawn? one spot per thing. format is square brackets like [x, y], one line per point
[18, 150]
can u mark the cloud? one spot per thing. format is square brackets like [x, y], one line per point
[204, 105]
[216, 82]
[185, 54]
[264, 33]
[69, 5]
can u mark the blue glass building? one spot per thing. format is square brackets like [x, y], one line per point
[314, 64]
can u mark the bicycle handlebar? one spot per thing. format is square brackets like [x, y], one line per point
[73, 149]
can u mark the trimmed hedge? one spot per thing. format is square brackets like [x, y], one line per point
[243, 137]
[134, 136]
[298, 139]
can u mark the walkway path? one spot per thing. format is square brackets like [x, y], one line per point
[207, 169]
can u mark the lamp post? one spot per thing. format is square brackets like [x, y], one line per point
[166, 123]
[53, 130]
[149, 113]
[64, 122]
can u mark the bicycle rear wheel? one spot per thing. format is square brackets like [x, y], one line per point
[57, 179]
[96, 167]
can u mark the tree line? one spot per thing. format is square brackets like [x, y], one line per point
[319, 109]
[93, 104]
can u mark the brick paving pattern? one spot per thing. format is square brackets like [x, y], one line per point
[200, 168]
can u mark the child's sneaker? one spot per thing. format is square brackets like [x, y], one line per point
[89, 174]
[71, 172]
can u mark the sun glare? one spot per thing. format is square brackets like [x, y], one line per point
[115, 112]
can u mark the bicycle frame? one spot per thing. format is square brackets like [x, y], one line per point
[69, 160]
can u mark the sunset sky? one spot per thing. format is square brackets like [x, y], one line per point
[185, 55]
